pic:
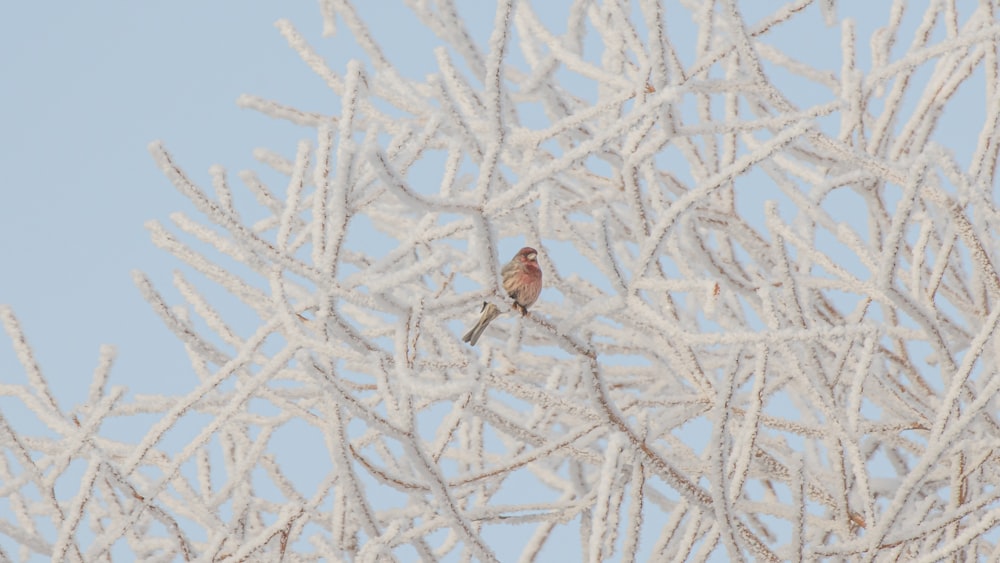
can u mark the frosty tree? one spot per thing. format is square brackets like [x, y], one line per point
[768, 328]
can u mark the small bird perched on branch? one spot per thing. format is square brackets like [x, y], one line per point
[522, 280]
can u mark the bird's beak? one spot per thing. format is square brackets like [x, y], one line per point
[532, 255]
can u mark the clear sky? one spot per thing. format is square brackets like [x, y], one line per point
[86, 87]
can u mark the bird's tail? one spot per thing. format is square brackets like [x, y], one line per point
[490, 312]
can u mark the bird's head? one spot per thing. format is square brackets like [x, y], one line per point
[528, 254]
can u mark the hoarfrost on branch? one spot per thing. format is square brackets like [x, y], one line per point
[768, 329]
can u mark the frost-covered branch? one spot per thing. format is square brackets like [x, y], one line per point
[768, 328]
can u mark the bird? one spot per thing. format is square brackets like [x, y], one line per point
[522, 280]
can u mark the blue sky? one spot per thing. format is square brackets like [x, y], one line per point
[87, 86]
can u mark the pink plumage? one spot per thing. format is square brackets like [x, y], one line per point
[522, 280]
